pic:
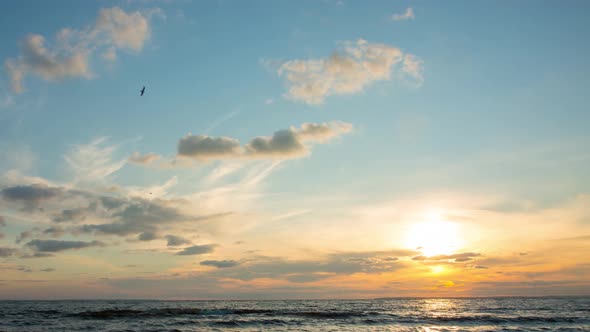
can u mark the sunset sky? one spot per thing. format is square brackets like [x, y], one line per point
[294, 149]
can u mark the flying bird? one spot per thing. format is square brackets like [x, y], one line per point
[142, 91]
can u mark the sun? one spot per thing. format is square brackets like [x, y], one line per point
[434, 236]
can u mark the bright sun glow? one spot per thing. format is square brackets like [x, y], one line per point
[434, 236]
[437, 269]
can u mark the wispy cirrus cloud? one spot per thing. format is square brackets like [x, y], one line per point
[145, 159]
[407, 15]
[70, 54]
[93, 162]
[351, 68]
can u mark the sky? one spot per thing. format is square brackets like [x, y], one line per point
[294, 149]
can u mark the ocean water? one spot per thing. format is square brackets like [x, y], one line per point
[474, 314]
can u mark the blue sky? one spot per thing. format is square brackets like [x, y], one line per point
[470, 108]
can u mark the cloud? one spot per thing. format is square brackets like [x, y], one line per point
[49, 269]
[344, 263]
[220, 264]
[48, 64]
[206, 147]
[115, 214]
[71, 215]
[37, 255]
[289, 143]
[147, 236]
[145, 159]
[123, 30]
[137, 216]
[197, 250]
[413, 67]
[29, 194]
[93, 162]
[69, 56]
[174, 240]
[7, 252]
[56, 245]
[462, 257]
[348, 70]
[110, 54]
[283, 144]
[277, 277]
[322, 132]
[23, 236]
[54, 231]
[407, 15]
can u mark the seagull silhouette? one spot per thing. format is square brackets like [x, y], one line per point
[142, 91]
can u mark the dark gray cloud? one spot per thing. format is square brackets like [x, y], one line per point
[56, 245]
[174, 240]
[290, 143]
[71, 215]
[220, 264]
[111, 203]
[54, 231]
[24, 235]
[7, 252]
[112, 214]
[29, 193]
[49, 269]
[285, 143]
[281, 143]
[136, 217]
[204, 147]
[37, 255]
[30, 196]
[147, 236]
[124, 215]
[197, 249]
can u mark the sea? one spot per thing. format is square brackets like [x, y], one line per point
[399, 314]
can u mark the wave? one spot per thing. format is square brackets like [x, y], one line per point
[165, 312]
[370, 317]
